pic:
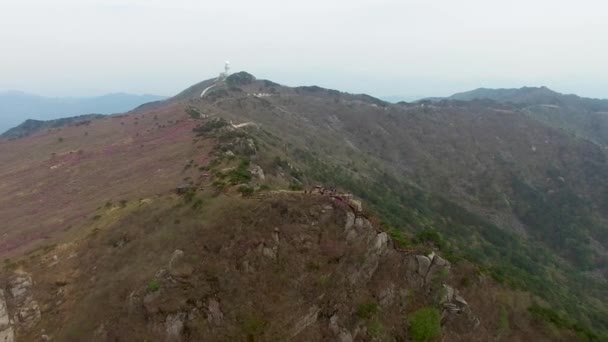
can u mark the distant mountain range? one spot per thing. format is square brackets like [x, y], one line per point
[532, 96]
[16, 106]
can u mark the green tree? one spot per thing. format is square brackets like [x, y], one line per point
[425, 324]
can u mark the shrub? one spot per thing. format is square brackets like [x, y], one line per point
[295, 187]
[189, 195]
[425, 324]
[398, 237]
[432, 236]
[194, 113]
[367, 310]
[240, 174]
[197, 204]
[211, 125]
[154, 285]
[245, 190]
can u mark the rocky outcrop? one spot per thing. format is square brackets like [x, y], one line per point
[257, 172]
[27, 311]
[306, 321]
[452, 305]
[7, 333]
[174, 326]
[377, 244]
[214, 312]
[341, 334]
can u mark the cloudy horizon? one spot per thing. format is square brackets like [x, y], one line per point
[383, 48]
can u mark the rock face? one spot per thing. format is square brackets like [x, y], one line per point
[452, 305]
[215, 315]
[309, 319]
[6, 329]
[174, 325]
[27, 310]
[257, 172]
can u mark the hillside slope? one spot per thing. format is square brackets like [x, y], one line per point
[584, 117]
[515, 206]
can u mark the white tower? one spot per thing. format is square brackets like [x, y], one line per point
[226, 68]
[224, 74]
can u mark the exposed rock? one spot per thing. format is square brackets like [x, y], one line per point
[174, 326]
[7, 333]
[309, 319]
[150, 302]
[439, 261]
[177, 267]
[424, 263]
[345, 336]
[341, 334]
[351, 235]
[356, 205]
[386, 296]
[438, 264]
[380, 243]
[19, 285]
[447, 295]
[4, 316]
[257, 172]
[362, 223]
[377, 247]
[182, 271]
[275, 235]
[101, 333]
[215, 315]
[177, 255]
[247, 268]
[453, 306]
[269, 252]
[350, 221]
[27, 311]
[460, 300]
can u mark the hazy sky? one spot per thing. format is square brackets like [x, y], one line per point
[380, 47]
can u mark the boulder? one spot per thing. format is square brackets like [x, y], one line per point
[356, 205]
[257, 172]
[177, 255]
[269, 252]
[174, 326]
[350, 221]
[27, 311]
[380, 243]
[362, 223]
[424, 263]
[214, 312]
[386, 295]
[447, 294]
[7, 333]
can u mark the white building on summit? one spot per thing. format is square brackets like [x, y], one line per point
[220, 78]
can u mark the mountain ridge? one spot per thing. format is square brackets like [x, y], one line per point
[481, 183]
[16, 106]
